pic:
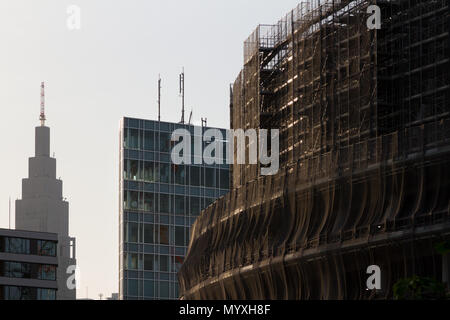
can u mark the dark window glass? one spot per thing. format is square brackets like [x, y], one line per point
[195, 206]
[46, 248]
[133, 232]
[47, 272]
[164, 142]
[134, 139]
[149, 202]
[132, 200]
[164, 263]
[195, 176]
[46, 294]
[133, 288]
[217, 185]
[186, 235]
[179, 236]
[132, 171]
[224, 179]
[179, 205]
[164, 234]
[149, 233]
[210, 176]
[17, 245]
[132, 262]
[164, 289]
[164, 172]
[149, 262]
[149, 172]
[149, 289]
[179, 174]
[164, 203]
[149, 141]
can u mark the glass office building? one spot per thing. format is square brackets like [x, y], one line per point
[158, 203]
[28, 265]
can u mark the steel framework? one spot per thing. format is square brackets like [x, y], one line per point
[364, 120]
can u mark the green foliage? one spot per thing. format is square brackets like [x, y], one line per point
[419, 288]
[443, 248]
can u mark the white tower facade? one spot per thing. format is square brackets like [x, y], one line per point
[43, 208]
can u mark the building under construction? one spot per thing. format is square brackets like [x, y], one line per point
[364, 179]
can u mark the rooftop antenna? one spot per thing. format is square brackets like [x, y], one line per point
[42, 116]
[190, 118]
[9, 212]
[159, 97]
[182, 95]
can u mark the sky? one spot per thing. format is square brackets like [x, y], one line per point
[100, 73]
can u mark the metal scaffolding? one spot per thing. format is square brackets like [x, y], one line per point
[364, 120]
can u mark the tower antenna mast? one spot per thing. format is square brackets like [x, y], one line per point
[159, 97]
[42, 116]
[182, 95]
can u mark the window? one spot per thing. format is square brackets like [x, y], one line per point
[149, 172]
[149, 262]
[195, 206]
[164, 142]
[149, 233]
[47, 272]
[133, 288]
[132, 171]
[179, 174]
[179, 205]
[46, 294]
[132, 200]
[17, 245]
[133, 232]
[195, 176]
[179, 236]
[164, 235]
[149, 202]
[164, 289]
[149, 288]
[164, 173]
[224, 179]
[210, 178]
[164, 263]
[165, 203]
[134, 139]
[132, 261]
[149, 141]
[46, 248]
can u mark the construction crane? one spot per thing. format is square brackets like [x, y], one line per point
[42, 116]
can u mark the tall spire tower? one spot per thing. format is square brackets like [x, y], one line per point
[43, 208]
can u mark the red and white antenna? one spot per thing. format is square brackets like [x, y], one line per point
[42, 116]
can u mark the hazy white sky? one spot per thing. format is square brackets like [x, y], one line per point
[96, 75]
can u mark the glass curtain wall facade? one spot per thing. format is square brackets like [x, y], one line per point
[159, 201]
[28, 265]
